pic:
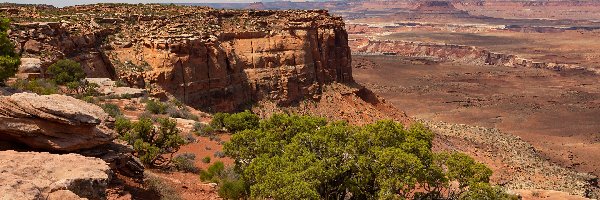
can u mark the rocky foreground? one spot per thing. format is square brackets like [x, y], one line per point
[53, 122]
[60, 124]
[33, 175]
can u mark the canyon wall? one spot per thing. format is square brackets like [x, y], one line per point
[458, 53]
[207, 58]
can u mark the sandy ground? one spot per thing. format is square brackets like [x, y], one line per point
[557, 112]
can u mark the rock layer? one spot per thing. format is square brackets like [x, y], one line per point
[207, 58]
[459, 53]
[53, 122]
[32, 175]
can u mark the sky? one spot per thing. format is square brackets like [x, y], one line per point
[61, 3]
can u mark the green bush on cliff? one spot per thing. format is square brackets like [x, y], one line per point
[9, 59]
[302, 157]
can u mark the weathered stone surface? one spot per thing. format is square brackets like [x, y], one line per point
[109, 87]
[120, 157]
[33, 175]
[30, 65]
[53, 122]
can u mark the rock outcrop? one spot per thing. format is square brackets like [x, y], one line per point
[458, 53]
[53, 122]
[33, 175]
[207, 58]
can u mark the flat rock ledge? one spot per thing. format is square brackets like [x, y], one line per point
[53, 122]
[41, 175]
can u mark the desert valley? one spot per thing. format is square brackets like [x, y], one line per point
[349, 99]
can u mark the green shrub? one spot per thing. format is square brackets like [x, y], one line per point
[151, 143]
[484, 191]
[204, 130]
[232, 189]
[156, 107]
[9, 59]
[241, 121]
[89, 99]
[111, 109]
[218, 120]
[83, 88]
[185, 162]
[213, 172]
[38, 86]
[206, 159]
[230, 184]
[308, 158]
[66, 71]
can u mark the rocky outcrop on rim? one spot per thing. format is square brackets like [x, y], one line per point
[523, 167]
[38, 175]
[53, 122]
[204, 57]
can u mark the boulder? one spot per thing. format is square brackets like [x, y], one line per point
[30, 65]
[53, 122]
[41, 175]
[32, 46]
[109, 87]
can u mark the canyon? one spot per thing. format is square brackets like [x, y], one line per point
[506, 82]
[230, 58]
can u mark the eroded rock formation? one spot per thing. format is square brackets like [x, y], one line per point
[207, 58]
[459, 53]
[53, 122]
[33, 175]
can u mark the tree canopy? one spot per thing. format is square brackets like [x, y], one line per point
[302, 157]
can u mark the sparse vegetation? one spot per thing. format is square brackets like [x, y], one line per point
[151, 142]
[206, 159]
[83, 88]
[9, 59]
[38, 86]
[160, 188]
[189, 138]
[156, 107]
[204, 130]
[185, 162]
[111, 109]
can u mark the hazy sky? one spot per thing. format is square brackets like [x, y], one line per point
[61, 3]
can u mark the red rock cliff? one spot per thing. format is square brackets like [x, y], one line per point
[206, 58]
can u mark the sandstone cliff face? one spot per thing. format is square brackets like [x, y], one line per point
[207, 58]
